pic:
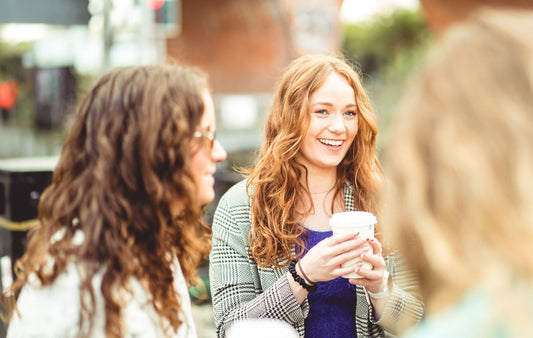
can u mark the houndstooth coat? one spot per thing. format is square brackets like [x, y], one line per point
[241, 289]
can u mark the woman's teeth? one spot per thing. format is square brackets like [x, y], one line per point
[330, 142]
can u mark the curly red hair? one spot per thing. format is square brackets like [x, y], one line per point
[276, 180]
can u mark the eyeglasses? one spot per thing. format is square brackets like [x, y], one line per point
[209, 137]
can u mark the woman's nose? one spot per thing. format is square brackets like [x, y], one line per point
[336, 122]
[218, 152]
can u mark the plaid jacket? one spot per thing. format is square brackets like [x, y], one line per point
[242, 289]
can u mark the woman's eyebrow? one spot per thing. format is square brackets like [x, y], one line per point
[329, 104]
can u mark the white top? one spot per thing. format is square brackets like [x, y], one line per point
[53, 310]
[261, 328]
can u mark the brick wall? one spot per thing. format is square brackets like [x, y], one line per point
[443, 13]
[243, 44]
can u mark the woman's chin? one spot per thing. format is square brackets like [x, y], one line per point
[207, 197]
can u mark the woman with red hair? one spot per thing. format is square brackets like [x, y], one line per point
[274, 255]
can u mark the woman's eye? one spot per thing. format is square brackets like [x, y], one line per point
[321, 112]
[351, 113]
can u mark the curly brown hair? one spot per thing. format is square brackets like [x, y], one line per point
[276, 180]
[123, 178]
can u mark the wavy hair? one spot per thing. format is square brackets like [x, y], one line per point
[460, 163]
[276, 180]
[123, 179]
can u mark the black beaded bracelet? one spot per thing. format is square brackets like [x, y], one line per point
[298, 279]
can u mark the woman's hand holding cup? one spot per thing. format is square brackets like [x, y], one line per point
[324, 261]
[374, 280]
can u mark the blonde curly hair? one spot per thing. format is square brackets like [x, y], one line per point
[460, 163]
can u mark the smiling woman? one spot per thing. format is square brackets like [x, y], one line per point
[332, 126]
[274, 255]
[204, 160]
[121, 233]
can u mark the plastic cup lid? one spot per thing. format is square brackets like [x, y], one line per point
[350, 218]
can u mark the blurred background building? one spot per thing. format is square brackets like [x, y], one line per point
[56, 50]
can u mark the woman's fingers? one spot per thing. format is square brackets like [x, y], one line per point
[371, 279]
[344, 271]
[340, 238]
[349, 244]
[376, 261]
[369, 276]
[347, 256]
[324, 261]
[376, 245]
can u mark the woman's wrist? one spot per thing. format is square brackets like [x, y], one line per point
[379, 295]
[303, 274]
[299, 279]
[384, 293]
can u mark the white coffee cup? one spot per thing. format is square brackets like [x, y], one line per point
[353, 222]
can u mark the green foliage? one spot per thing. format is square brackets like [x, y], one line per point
[375, 44]
[10, 59]
[388, 49]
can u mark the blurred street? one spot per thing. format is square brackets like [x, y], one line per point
[17, 140]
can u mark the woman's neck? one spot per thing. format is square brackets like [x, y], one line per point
[319, 210]
[316, 208]
[321, 181]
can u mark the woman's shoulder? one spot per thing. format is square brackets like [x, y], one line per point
[48, 310]
[471, 316]
[238, 194]
[233, 212]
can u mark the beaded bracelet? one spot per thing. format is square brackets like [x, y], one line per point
[298, 279]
